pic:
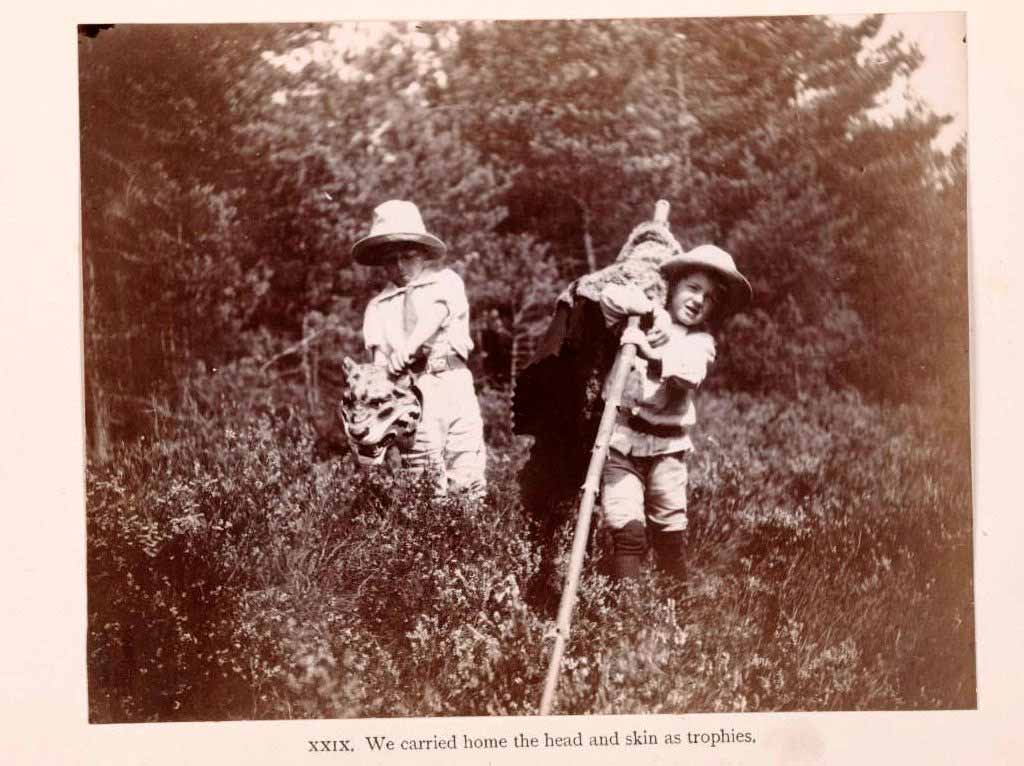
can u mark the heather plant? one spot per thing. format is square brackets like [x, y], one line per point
[233, 574]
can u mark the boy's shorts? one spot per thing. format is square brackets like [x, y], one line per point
[650, 489]
[450, 437]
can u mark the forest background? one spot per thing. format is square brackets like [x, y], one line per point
[226, 170]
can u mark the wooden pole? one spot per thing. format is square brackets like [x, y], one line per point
[591, 486]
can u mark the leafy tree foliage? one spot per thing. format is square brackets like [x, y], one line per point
[588, 122]
[226, 171]
[756, 130]
[166, 274]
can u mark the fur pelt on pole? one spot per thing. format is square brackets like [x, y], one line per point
[557, 397]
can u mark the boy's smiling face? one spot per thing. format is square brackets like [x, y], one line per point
[693, 298]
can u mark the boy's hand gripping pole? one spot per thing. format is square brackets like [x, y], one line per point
[616, 382]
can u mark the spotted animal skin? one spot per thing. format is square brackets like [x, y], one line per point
[378, 411]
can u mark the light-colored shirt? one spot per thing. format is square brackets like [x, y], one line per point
[383, 322]
[658, 397]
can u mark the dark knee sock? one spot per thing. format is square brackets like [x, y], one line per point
[630, 544]
[670, 553]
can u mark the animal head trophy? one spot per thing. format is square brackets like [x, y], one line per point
[650, 244]
[378, 411]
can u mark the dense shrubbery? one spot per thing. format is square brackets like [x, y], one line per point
[233, 576]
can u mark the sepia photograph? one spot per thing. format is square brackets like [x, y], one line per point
[505, 368]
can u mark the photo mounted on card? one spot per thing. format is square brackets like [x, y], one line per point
[526, 367]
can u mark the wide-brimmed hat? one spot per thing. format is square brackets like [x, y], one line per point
[717, 261]
[395, 221]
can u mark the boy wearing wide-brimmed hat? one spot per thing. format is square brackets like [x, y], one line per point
[645, 477]
[420, 323]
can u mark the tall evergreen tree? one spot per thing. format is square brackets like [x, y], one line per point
[755, 129]
[163, 276]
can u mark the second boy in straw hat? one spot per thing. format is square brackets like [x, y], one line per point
[645, 477]
[420, 322]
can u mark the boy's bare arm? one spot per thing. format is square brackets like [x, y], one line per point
[621, 301]
[644, 345]
[661, 323]
[684, 362]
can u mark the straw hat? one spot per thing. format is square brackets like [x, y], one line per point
[717, 261]
[395, 221]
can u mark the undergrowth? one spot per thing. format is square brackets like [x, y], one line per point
[232, 575]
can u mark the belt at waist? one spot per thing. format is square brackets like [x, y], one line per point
[640, 425]
[437, 364]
